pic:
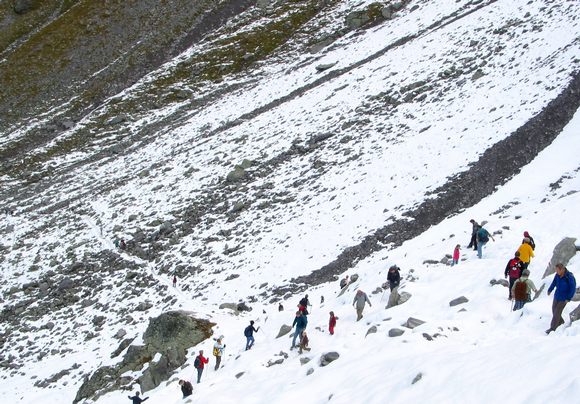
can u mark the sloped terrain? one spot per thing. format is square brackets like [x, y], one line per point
[262, 151]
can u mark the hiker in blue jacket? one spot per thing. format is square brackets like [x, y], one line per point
[565, 285]
[136, 399]
[300, 321]
[249, 334]
[483, 237]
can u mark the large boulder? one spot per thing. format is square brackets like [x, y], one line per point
[167, 339]
[328, 357]
[285, 329]
[562, 253]
[458, 301]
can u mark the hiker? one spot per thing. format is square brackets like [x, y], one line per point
[186, 388]
[394, 277]
[300, 321]
[122, 244]
[321, 299]
[174, 280]
[249, 333]
[199, 363]
[513, 269]
[526, 252]
[565, 285]
[136, 399]
[303, 305]
[456, 254]
[473, 240]
[344, 282]
[482, 239]
[280, 307]
[360, 299]
[303, 343]
[531, 242]
[521, 291]
[218, 350]
[332, 323]
[116, 242]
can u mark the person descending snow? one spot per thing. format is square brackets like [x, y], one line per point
[300, 321]
[482, 239]
[473, 240]
[218, 350]
[522, 289]
[359, 300]
[174, 280]
[249, 334]
[332, 323]
[394, 277]
[136, 399]
[526, 252]
[456, 254]
[186, 388]
[303, 343]
[513, 269]
[531, 242]
[303, 305]
[565, 285]
[199, 363]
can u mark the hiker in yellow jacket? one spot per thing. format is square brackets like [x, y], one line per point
[526, 252]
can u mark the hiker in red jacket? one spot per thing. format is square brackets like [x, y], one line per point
[513, 269]
[199, 362]
[332, 323]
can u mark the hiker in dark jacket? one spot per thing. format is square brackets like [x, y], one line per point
[513, 269]
[300, 321]
[200, 360]
[303, 305]
[249, 333]
[394, 277]
[186, 388]
[474, 229]
[531, 240]
[136, 399]
[565, 285]
[483, 237]
[344, 282]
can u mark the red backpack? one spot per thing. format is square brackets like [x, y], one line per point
[521, 291]
[515, 266]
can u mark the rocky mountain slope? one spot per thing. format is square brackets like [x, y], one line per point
[253, 149]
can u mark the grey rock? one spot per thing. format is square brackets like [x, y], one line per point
[477, 75]
[371, 330]
[274, 362]
[575, 314]
[562, 253]
[65, 284]
[309, 371]
[396, 332]
[285, 329]
[501, 282]
[304, 360]
[238, 375]
[166, 228]
[23, 6]
[328, 357]
[459, 300]
[236, 175]
[120, 334]
[417, 378]
[354, 278]
[413, 322]
[243, 307]
[99, 320]
[143, 306]
[427, 336]
[326, 66]
[231, 306]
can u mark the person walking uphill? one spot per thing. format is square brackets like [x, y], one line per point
[522, 289]
[199, 363]
[359, 300]
[394, 277]
[186, 388]
[513, 269]
[332, 323]
[136, 399]
[526, 252]
[249, 334]
[482, 239]
[473, 240]
[300, 321]
[531, 242]
[565, 285]
[218, 350]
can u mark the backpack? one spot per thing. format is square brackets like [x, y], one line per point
[515, 269]
[521, 291]
[482, 235]
[248, 331]
[216, 351]
[197, 362]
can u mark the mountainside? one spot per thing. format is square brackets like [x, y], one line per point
[261, 150]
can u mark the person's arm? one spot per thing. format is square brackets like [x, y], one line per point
[532, 286]
[507, 269]
[367, 298]
[489, 234]
[572, 282]
[145, 399]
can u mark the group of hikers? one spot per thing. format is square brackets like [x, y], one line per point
[519, 291]
[520, 286]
